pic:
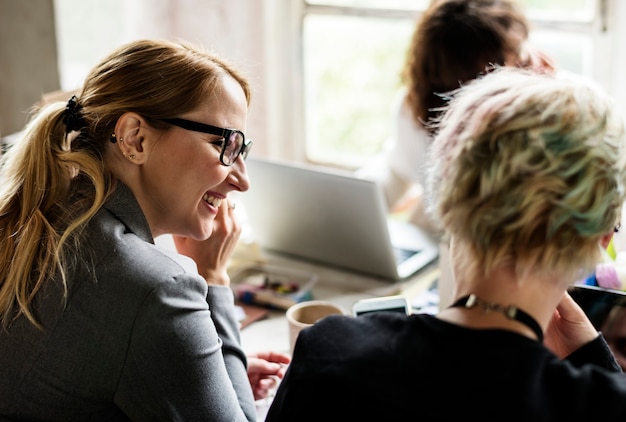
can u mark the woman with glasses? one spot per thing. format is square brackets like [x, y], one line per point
[97, 322]
[454, 42]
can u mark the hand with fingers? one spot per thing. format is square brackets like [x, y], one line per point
[265, 369]
[213, 254]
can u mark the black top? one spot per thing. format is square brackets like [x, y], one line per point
[389, 367]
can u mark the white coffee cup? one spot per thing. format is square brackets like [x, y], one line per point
[305, 314]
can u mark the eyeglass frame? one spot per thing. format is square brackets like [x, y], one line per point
[225, 133]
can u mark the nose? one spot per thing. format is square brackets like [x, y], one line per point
[238, 176]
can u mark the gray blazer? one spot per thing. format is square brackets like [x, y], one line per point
[142, 337]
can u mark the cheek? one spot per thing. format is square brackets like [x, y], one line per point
[180, 154]
[187, 164]
[199, 165]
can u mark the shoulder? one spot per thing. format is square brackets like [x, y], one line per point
[409, 131]
[127, 260]
[375, 334]
[400, 104]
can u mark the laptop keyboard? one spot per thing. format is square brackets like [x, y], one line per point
[402, 254]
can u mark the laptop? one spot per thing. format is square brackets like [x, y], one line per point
[331, 217]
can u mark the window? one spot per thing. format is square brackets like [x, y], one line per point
[86, 32]
[353, 52]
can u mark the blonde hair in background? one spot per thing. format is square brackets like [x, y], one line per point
[528, 170]
[53, 183]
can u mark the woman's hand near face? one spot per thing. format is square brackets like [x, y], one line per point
[212, 255]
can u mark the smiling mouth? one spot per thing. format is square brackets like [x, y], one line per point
[212, 200]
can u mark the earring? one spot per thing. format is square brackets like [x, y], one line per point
[132, 156]
[112, 138]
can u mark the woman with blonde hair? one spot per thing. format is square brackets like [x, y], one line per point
[98, 322]
[528, 178]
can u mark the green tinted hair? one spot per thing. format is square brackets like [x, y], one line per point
[52, 184]
[529, 170]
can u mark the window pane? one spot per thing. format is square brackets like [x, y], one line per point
[352, 71]
[571, 51]
[543, 9]
[376, 4]
[87, 30]
[575, 10]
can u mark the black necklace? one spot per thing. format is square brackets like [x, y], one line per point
[511, 312]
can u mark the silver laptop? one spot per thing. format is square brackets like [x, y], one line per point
[331, 217]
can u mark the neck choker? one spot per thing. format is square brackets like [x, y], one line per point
[511, 312]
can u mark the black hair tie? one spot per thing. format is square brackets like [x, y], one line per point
[72, 117]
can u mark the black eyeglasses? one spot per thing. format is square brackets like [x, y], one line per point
[233, 143]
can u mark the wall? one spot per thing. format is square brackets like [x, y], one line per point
[28, 59]
[234, 29]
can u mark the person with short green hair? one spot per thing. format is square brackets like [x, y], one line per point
[528, 178]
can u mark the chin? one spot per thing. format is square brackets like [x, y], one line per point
[205, 231]
[197, 232]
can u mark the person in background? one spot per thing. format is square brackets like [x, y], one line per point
[528, 178]
[97, 322]
[614, 330]
[454, 42]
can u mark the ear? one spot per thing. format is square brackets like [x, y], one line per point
[131, 130]
[606, 239]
